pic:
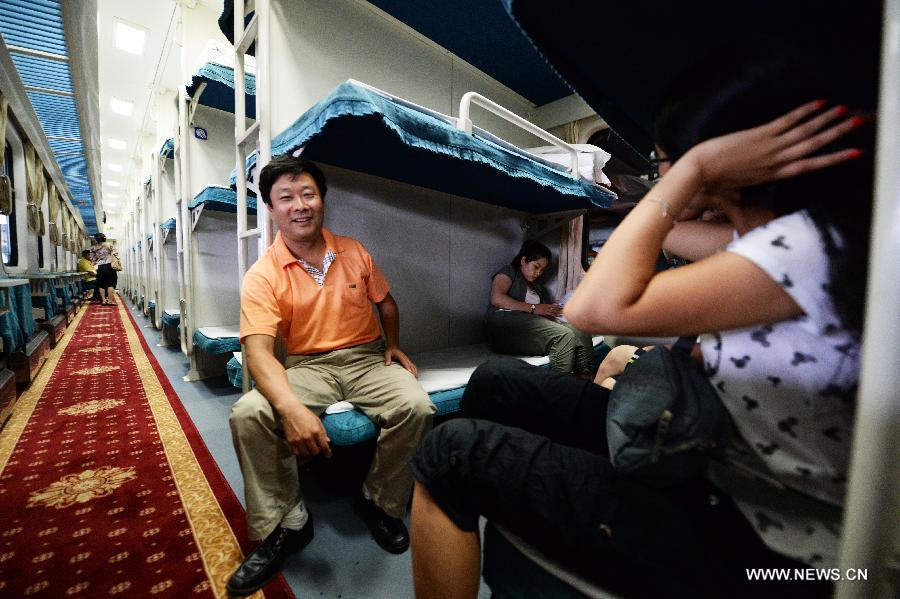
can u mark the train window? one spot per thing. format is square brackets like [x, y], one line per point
[9, 247]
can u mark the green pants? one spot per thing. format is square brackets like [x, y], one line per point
[389, 395]
[569, 349]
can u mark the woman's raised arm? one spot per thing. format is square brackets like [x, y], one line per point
[622, 294]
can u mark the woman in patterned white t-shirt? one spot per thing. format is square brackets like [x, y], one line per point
[785, 295]
[786, 300]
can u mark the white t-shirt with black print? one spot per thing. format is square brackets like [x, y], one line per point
[789, 388]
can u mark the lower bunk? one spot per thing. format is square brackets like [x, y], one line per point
[171, 322]
[443, 373]
[213, 346]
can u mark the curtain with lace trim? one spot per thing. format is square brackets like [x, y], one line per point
[34, 189]
[6, 194]
[53, 212]
[570, 271]
[66, 228]
[73, 232]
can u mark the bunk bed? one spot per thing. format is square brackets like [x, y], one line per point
[214, 337]
[401, 141]
[170, 316]
[212, 86]
[167, 151]
[150, 302]
[443, 374]
[213, 80]
[166, 301]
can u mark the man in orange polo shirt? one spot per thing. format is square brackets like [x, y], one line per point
[316, 290]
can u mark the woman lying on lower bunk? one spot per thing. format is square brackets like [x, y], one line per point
[786, 297]
[522, 315]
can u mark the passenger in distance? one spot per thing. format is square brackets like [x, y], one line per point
[90, 282]
[315, 290]
[522, 317]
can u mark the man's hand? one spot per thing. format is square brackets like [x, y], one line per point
[304, 432]
[394, 353]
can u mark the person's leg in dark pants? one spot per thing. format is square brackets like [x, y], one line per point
[563, 407]
[567, 502]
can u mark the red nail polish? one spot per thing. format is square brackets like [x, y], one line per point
[854, 153]
[820, 104]
[840, 111]
[857, 121]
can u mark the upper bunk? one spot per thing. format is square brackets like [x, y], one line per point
[167, 150]
[212, 84]
[217, 198]
[624, 81]
[364, 129]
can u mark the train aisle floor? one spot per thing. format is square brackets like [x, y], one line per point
[342, 561]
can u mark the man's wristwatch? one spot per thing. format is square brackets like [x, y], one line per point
[532, 308]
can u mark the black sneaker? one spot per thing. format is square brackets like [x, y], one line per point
[265, 561]
[389, 533]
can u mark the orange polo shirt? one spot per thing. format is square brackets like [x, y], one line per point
[278, 294]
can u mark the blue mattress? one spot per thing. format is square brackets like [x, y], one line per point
[11, 333]
[349, 428]
[359, 129]
[215, 347]
[171, 320]
[169, 225]
[219, 92]
[168, 149]
[220, 199]
[235, 372]
[17, 325]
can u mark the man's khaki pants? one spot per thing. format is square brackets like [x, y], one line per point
[389, 395]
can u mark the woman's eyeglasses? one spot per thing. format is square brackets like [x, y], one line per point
[654, 163]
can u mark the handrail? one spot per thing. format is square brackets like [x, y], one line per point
[257, 136]
[869, 540]
[464, 123]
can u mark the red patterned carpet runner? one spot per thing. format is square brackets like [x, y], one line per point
[106, 489]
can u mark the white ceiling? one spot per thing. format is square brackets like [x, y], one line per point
[135, 79]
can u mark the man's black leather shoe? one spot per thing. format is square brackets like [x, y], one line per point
[389, 533]
[266, 560]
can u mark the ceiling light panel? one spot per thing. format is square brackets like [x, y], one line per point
[116, 144]
[116, 168]
[119, 106]
[129, 38]
[113, 183]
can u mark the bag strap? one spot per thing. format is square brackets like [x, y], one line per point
[685, 344]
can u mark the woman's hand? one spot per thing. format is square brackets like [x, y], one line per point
[777, 150]
[548, 310]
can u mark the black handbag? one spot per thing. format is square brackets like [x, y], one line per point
[664, 416]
